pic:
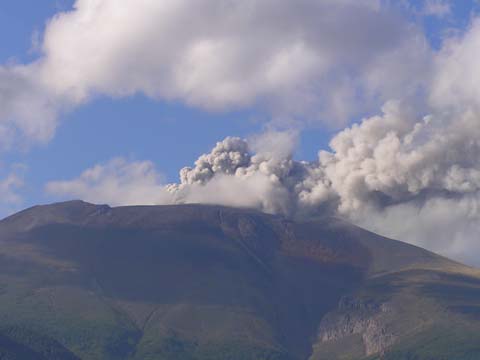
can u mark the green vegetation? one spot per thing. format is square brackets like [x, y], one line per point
[211, 283]
[19, 343]
[175, 348]
[443, 342]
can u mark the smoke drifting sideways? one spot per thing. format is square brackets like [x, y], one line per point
[412, 172]
[401, 174]
[413, 179]
[417, 180]
[409, 178]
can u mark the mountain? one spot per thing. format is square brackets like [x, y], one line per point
[84, 281]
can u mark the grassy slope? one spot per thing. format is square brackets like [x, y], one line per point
[187, 283]
[443, 341]
[454, 332]
[21, 343]
[211, 283]
[434, 314]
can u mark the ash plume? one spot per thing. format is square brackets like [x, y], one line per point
[412, 171]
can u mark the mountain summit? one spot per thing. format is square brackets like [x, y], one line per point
[84, 281]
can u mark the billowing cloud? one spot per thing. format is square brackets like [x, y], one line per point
[117, 182]
[231, 169]
[27, 109]
[305, 60]
[456, 86]
[417, 179]
[398, 173]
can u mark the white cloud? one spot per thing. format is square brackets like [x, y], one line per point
[117, 182]
[27, 108]
[305, 60]
[309, 59]
[448, 226]
[416, 179]
[456, 86]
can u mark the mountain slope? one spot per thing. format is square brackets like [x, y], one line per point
[209, 282]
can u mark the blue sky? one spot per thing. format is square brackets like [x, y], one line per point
[108, 101]
[143, 128]
[137, 127]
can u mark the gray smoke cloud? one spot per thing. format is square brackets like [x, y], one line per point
[383, 161]
[411, 172]
[400, 175]
[417, 179]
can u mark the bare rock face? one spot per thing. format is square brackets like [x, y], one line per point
[368, 319]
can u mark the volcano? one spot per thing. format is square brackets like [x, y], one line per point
[84, 281]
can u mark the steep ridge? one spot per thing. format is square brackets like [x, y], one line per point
[210, 282]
